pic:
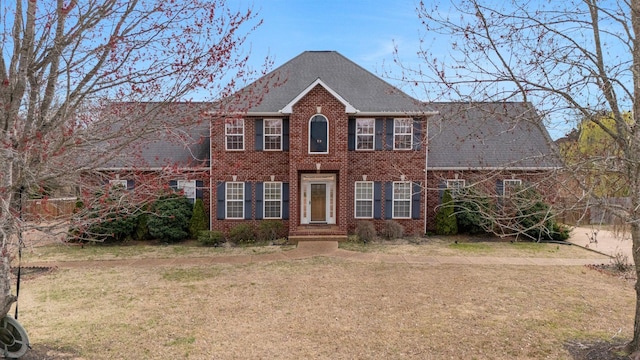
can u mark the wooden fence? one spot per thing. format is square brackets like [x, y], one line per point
[49, 209]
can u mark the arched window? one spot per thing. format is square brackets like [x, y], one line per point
[319, 135]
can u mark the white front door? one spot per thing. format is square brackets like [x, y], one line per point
[318, 199]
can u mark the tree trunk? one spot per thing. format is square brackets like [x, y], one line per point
[634, 346]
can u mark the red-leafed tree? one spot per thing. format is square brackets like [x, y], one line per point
[576, 61]
[84, 84]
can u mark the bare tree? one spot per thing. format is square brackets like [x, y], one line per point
[576, 61]
[83, 83]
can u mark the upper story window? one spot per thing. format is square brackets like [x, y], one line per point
[234, 134]
[365, 134]
[272, 134]
[402, 134]
[319, 135]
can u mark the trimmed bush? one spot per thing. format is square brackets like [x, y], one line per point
[469, 210]
[242, 234]
[211, 238]
[392, 230]
[446, 221]
[270, 230]
[365, 231]
[198, 220]
[170, 219]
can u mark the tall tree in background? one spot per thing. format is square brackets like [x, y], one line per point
[574, 60]
[63, 62]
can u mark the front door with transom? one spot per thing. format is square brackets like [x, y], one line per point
[318, 205]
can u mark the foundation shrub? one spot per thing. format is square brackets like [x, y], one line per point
[366, 231]
[446, 221]
[392, 230]
[242, 234]
[270, 230]
[211, 238]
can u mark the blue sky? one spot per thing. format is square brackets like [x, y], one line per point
[362, 30]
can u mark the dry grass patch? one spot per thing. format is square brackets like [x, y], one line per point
[325, 308]
[66, 252]
[464, 246]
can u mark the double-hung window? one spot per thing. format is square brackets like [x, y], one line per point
[365, 134]
[234, 134]
[510, 186]
[272, 200]
[402, 134]
[114, 183]
[234, 200]
[455, 186]
[364, 199]
[402, 200]
[188, 187]
[272, 134]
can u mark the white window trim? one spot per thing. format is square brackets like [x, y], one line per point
[373, 135]
[227, 201]
[226, 136]
[264, 199]
[264, 135]
[410, 133]
[309, 136]
[511, 182]
[393, 201]
[454, 189]
[184, 185]
[355, 199]
[116, 182]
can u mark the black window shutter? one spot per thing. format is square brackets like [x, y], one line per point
[388, 200]
[285, 201]
[415, 200]
[377, 200]
[259, 198]
[389, 133]
[259, 131]
[417, 135]
[499, 187]
[131, 184]
[220, 206]
[441, 188]
[199, 189]
[352, 134]
[247, 201]
[174, 185]
[285, 134]
[379, 129]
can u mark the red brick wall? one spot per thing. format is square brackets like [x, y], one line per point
[485, 180]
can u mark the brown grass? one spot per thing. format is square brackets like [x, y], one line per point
[324, 308]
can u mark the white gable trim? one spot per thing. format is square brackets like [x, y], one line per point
[348, 108]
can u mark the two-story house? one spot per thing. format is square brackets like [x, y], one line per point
[330, 144]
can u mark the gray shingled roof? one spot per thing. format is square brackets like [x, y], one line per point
[183, 142]
[359, 87]
[489, 135]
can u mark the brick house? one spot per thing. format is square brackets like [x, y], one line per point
[332, 144]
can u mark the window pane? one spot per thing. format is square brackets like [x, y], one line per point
[403, 134]
[272, 200]
[318, 139]
[272, 134]
[235, 200]
[402, 200]
[364, 199]
[234, 132]
[365, 133]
